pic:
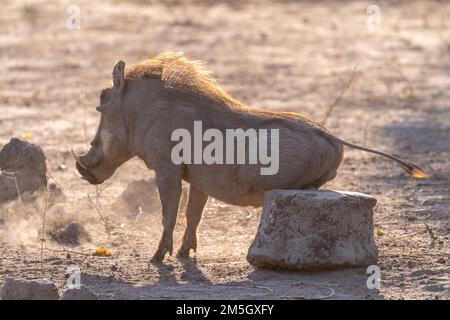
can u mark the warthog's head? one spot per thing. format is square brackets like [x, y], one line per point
[109, 149]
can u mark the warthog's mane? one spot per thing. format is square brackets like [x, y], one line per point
[177, 71]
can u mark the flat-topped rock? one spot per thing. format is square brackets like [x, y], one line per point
[315, 229]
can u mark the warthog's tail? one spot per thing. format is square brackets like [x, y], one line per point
[412, 169]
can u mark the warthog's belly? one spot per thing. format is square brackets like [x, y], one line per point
[251, 198]
[304, 162]
[224, 183]
[240, 186]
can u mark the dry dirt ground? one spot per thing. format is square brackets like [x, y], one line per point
[286, 56]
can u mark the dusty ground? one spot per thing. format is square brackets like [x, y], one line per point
[291, 57]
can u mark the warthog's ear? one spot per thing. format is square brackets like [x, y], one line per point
[118, 76]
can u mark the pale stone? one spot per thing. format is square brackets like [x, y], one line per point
[19, 289]
[314, 229]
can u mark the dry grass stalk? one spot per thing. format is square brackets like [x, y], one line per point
[64, 250]
[17, 189]
[341, 94]
[102, 218]
[44, 216]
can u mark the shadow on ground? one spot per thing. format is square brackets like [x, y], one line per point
[194, 283]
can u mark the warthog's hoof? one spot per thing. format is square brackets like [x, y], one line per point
[164, 247]
[184, 252]
[158, 257]
[314, 229]
[189, 243]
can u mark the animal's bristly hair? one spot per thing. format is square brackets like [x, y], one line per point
[177, 71]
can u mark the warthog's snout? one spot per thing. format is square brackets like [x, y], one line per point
[83, 169]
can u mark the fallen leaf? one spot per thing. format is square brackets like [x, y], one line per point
[102, 252]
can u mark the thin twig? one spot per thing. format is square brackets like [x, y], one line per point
[398, 213]
[17, 189]
[332, 293]
[64, 250]
[105, 222]
[431, 233]
[245, 286]
[270, 290]
[341, 94]
[98, 193]
[44, 216]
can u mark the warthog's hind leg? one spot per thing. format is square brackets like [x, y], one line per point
[196, 203]
[169, 186]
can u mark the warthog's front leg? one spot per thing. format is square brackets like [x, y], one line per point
[196, 203]
[168, 181]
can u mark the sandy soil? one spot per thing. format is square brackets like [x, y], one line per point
[290, 57]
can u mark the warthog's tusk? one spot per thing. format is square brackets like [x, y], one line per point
[78, 159]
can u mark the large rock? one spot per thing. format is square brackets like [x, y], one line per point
[28, 290]
[314, 229]
[22, 168]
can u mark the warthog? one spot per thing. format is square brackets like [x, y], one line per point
[151, 99]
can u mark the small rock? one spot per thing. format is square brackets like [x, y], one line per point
[72, 234]
[83, 293]
[18, 289]
[22, 169]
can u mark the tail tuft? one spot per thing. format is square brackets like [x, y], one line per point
[414, 170]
